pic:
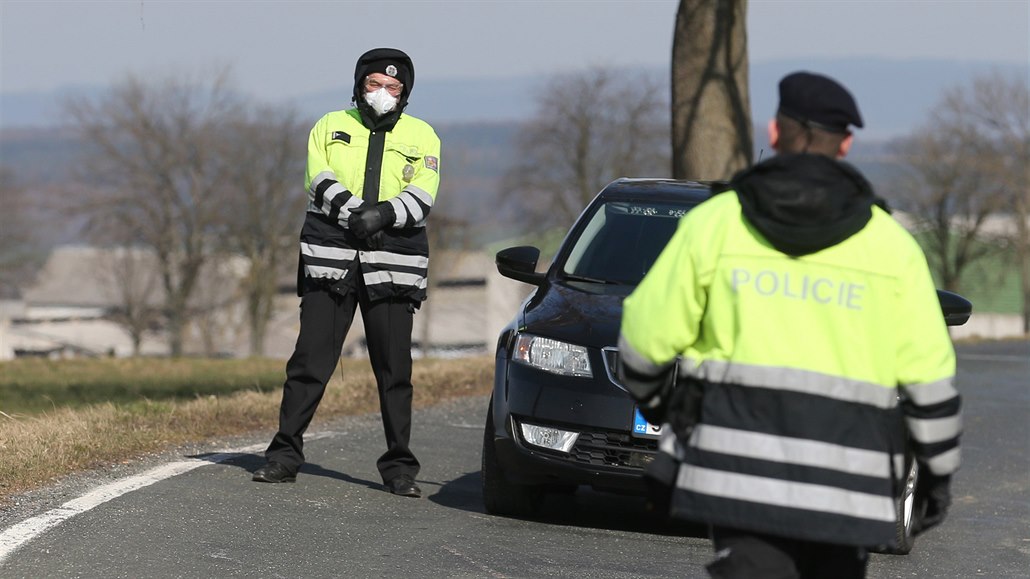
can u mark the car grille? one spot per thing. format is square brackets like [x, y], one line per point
[613, 449]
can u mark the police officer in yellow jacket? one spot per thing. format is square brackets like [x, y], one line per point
[807, 320]
[372, 178]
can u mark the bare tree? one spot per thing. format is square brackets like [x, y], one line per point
[712, 135]
[962, 172]
[20, 252]
[129, 275]
[216, 305]
[590, 128]
[994, 113]
[266, 207]
[158, 151]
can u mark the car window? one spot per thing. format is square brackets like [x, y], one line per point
[621, 241]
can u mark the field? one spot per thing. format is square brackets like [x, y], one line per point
[59, 417]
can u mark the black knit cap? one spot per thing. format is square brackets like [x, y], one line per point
[380, 60]
[385, 61]
[389, 67]
[819, 101]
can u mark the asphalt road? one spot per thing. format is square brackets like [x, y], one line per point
[337, 521]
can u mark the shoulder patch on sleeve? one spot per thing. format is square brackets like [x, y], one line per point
[432, 163]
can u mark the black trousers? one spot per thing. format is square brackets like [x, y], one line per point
[748, 555]
[325, 318]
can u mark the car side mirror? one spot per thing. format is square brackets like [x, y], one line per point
[956, 308]
[519, 263]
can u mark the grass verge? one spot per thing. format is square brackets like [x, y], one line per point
[36, 449]
[33, 385]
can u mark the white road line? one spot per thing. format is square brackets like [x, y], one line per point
[20, 533]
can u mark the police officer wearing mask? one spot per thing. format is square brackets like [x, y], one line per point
[372, 178]
[802, 310]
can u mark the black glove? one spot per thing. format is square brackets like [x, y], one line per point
[375, 241]
[368, 219]
[685, 407]
[654, 409]
[932, 499]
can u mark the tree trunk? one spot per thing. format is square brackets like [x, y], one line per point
[259, 312]
[711, 110]
[137, 341]
[175, 334]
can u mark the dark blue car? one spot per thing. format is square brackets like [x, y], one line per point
[558, 418]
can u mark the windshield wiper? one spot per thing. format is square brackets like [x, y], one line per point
[577, 277]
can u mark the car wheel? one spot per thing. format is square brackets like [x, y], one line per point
[501, 497]
[904, 506]
[906, 510]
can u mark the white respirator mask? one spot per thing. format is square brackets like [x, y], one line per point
[381, 101]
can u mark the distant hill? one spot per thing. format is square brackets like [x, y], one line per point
[894, 95]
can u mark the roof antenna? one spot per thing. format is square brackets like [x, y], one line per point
[760, 153]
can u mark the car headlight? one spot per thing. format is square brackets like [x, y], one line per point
[552, 355]
[549, 437]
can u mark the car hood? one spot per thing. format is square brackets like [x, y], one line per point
[580, 313]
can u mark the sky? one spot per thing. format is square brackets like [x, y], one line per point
[281, 49]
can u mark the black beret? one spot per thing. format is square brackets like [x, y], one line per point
[818, 100]
[390, 67]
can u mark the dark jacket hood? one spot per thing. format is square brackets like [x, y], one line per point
[361, 71]
[803, 203]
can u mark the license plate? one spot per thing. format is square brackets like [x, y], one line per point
[644, 429]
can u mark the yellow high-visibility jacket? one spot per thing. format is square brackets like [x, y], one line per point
[801, 360]
[340, 161]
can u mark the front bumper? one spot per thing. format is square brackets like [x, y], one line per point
[600, 466]
[605, 456]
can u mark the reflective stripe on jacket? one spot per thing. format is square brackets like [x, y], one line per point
[409, 176]
[802, 360]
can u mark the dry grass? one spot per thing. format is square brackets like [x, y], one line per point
[35, 449]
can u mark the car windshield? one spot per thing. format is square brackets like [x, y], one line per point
[622, 240]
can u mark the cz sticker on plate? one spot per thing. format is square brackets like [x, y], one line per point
[642, 428]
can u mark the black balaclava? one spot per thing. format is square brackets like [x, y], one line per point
[378, 60]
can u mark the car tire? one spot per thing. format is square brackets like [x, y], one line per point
[906, 510]
[905, 507]
[501, 497]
